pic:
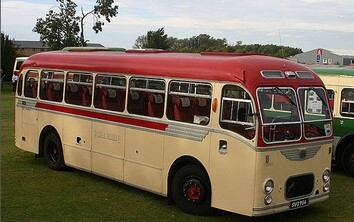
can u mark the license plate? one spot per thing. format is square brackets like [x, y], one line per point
[299, 203]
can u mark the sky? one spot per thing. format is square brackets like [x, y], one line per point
[304, 24]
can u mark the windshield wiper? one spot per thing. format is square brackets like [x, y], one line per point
[286, 95]
[319, 95]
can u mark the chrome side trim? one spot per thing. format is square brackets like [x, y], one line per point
[192, 133]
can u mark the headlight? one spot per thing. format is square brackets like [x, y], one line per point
[325, 176]
[268, 199]
[269, 186]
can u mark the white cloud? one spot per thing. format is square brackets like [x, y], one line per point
[248, 21]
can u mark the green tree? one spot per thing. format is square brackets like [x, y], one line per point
[8, 55]
[140, 42]
[200, 43]
[66, 28]
[269, 49]
[59, 29]
[206, 43]
[103, 8]
[154, 40]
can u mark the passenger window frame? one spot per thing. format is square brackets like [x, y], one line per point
[19, 90]
[186, 92]
[78, 81]
[237, 126]
[140, 89]
[50, 79]
[348, 101]
[101, 87]
[35, 81]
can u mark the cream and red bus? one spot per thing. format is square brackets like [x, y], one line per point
[249, 134]
[339, 82]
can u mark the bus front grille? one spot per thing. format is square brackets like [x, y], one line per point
[299, 186]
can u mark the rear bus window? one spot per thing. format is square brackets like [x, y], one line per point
[331, 95]
[52, 84]
[110, 92]
[146, 97]
[78, 89]
[189, 102]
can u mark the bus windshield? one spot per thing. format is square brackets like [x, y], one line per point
[279, 114]
[278, 105]
[316, 114]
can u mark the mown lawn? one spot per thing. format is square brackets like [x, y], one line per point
[32, 192]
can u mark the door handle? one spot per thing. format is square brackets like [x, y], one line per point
[78, 140]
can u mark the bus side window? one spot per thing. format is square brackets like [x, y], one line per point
[19, 85]
[78, 89]
[236, 111]
[110, 92]
[52, 84]
[189, 102]
[31, 84]
[146, 97]
[331, 98]
[347, 102]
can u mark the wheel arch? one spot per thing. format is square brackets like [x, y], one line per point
[176, 166]
[44, 133]
[343, 142]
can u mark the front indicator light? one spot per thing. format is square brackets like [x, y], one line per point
[326, 187]
[268, 199]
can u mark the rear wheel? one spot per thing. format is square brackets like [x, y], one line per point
[191, 190]
[348, 159]
[53, 152]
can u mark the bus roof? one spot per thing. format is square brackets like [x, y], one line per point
[21, 58]
[231, 67]
[335, 71]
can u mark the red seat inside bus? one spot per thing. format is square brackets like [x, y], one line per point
[183, 110]
[201, 106]
[112, 99]
[34, 90]
[138, 102]
[85, 96]
[156, 105]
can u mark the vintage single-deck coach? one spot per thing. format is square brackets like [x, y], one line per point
[250, 134]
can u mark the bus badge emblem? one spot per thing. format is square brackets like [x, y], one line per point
[302, 154]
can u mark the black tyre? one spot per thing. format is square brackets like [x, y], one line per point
[348, 159]
[53, 152]
[191, 190]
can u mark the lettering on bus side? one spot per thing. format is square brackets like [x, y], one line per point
[107, 136]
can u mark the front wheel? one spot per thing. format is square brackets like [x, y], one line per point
[53, 152]
[191, 190]
[348, 159]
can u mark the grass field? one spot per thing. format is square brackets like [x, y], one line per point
[32, 192]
